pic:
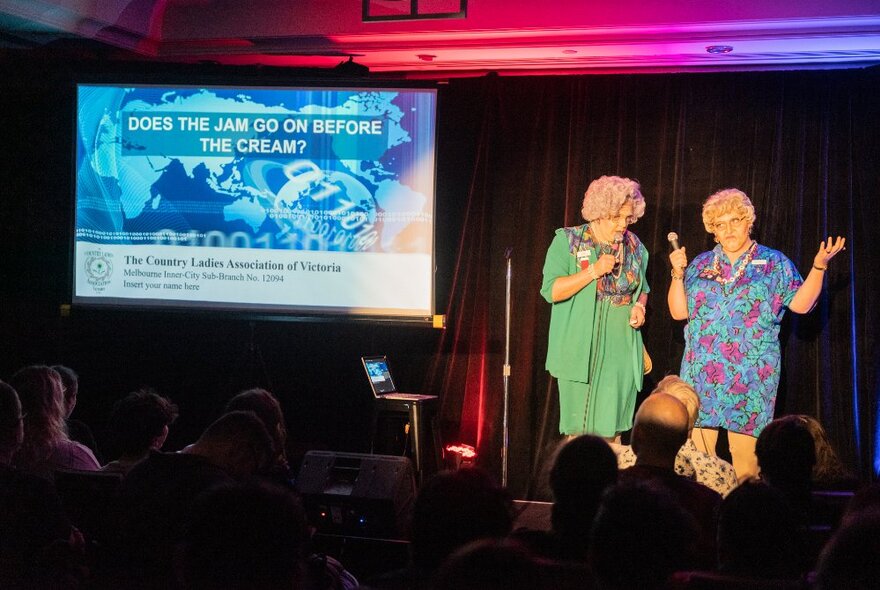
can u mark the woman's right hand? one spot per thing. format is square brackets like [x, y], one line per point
[678, 259]
[604, 265]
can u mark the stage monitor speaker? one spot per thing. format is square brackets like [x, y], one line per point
[358, 494]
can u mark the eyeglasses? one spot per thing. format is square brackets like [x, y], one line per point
[627, 219]
[733, 223]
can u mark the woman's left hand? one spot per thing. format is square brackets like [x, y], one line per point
[828, 250]
[636, 317]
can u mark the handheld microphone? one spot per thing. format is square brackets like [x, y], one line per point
[618, 251]
[673, 240]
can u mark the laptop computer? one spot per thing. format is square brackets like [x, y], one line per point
[381, 382]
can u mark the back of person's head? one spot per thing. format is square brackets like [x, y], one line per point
[683, 392]
[786, 453]
[849, 560]
[584, 468]
[828, 469]
[640, 536]
[489, 564]
[238, 442]
[456, 507]
[11, 431]
[244, 537]
[140, 422]
[660, 429]
[70, 384]
[40, 390]
[266, 407]
[757, 533]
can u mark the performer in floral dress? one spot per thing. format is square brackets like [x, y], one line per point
[734, 297]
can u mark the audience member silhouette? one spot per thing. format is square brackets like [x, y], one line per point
[584, 468]
[660, 429]
[244, 537]
[758, 534]
[46, 446]
[641, 535]
[489, 564]
[690, 462]
[452, 509]
[77, 430]
[268, 410]
[31, 516]
[139, 424]
[786, 455]
[829, 472]
[158, 494]
[849, 560]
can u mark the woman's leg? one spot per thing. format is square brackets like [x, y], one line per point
[705, 439]
[742, 450]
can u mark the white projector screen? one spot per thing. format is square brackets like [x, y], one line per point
[297, 201]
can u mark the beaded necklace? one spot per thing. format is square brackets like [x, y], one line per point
[715, 270]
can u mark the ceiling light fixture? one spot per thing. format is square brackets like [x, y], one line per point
[719, 48]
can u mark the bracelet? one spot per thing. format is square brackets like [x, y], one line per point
[675, 276]
[822, 268]
[641, 305]
[592, 272]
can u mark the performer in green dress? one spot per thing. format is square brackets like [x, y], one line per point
[594, 277]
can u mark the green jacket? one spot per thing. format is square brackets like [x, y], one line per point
[571, 320]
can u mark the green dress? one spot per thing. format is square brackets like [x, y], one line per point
[596, 356]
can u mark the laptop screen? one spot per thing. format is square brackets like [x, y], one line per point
[379, 374]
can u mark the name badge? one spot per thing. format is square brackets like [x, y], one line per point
[583, 259]
[759, 262]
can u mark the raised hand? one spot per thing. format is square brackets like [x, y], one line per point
[827, 251]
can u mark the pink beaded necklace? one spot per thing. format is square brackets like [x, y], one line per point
[715, 269]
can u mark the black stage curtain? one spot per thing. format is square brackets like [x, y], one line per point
[516, 157]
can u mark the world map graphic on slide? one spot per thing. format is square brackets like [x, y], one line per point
[307, 169]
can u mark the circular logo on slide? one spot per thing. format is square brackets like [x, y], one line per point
[99, 267]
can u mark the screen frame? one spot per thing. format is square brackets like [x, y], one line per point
[250, 312]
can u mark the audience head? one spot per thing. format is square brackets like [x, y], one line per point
[140, 422]
[828, 469]
[786, 453]
[660, 429]
[70, 384]
[456, 507]
[584, 468]
[640, 536]
[683, 392]
[268, 410]
[11, 428]
[244, 537]
[42, 401]
[237, 442]
[849, 560]
[757, 532]
[489, 564]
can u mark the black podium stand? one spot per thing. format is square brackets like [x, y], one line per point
[407, 427]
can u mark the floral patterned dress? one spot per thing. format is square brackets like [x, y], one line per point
[732, 355]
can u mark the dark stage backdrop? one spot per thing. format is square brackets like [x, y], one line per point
[515, 156]
[804, 145]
